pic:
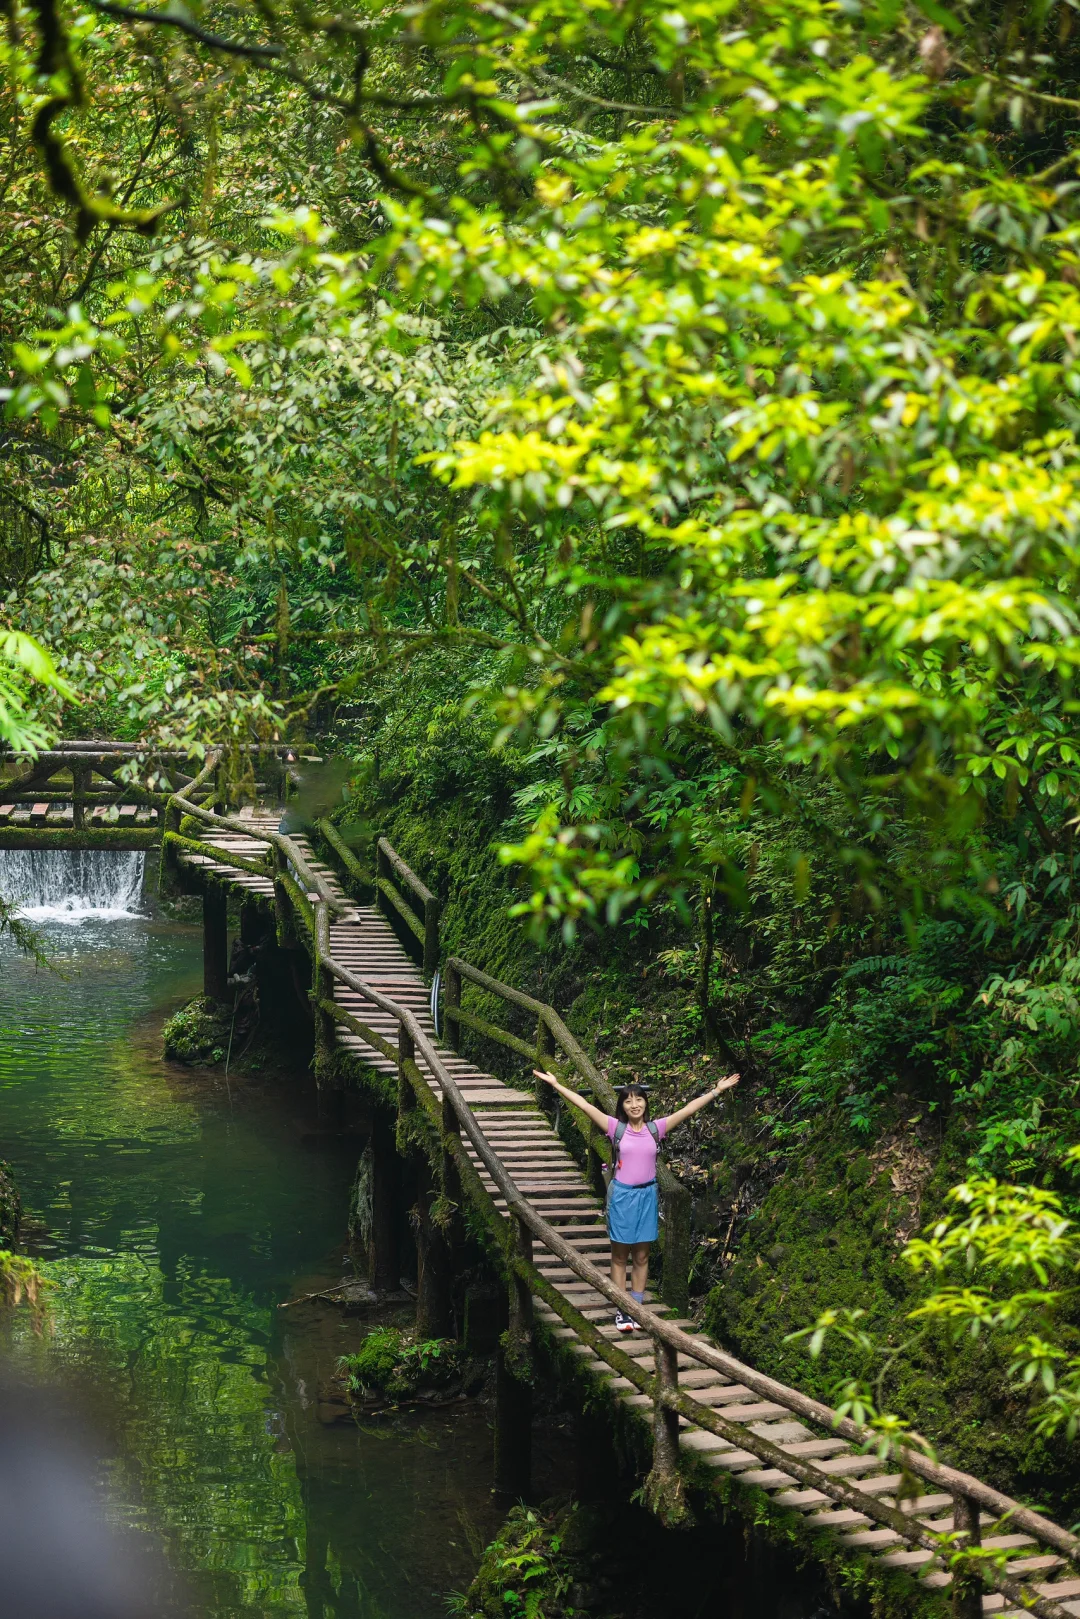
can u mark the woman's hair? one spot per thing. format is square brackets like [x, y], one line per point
[630, 1090]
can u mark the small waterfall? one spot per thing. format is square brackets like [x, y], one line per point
[72, 885]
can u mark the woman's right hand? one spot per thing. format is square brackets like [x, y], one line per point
[542, 1073]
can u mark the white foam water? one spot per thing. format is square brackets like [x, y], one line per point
[73, 885]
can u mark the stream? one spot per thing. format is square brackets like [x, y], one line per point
[175, 1214]
[175, 1210]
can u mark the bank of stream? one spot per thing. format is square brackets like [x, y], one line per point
[175, 1214]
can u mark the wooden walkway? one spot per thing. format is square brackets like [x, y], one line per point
[809, 1468]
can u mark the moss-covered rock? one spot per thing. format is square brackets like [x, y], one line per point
[199, 1032]
[526, 1570]
[389, 1365]
[10, 1207]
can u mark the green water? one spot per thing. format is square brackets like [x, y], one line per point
[174, 1216]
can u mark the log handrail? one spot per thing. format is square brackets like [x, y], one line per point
[354, 867]
[387, 859]
[72, 746]
[406, 873]
[277, 840]
[961, 1486]
[576, 1052]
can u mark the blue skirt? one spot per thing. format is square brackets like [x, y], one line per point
[632, 1213]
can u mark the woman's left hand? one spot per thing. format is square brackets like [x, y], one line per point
[726, 1084]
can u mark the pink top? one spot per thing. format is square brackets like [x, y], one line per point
[637, 1152]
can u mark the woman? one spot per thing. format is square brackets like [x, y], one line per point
[632, 1211]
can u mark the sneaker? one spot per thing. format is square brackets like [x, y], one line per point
[624, 1323]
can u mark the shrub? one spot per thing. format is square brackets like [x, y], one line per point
[388, 1363]
[525, 1573]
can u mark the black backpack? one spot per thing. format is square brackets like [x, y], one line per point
[620, 1130]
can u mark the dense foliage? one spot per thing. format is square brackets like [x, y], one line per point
[655, 425]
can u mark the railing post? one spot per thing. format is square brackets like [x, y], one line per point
[215, 942]
[81, 775]
[168, 879]
[448, 1169]
[594, 1163]
[434, 1267]
[967, 1587]
[513, 1381]
[171, 816]
[675, 1273]
[545, 1049]
[431, 936]
[382, 873]
[322, 989]
[664, 1486]
[286, 934]
[453, 998]
[520, 1333]
[406, 1053]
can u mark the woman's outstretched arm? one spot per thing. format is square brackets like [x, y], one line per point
[594, 1113]
[702, 1101]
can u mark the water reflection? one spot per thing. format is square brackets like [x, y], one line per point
[174, 1217]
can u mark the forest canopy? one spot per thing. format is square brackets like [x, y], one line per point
[683, 398]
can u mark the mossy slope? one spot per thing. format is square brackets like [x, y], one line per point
[790, 1217]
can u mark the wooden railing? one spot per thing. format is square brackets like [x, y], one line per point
[425, 926]
[452, 1119]
[77, 783]
[360, 878]
[61, 780]
[553, 1036]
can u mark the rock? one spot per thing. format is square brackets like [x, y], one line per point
[330, 1411]
[199, 1032]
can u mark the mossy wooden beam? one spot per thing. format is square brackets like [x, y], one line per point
[404, 910]
[373, 1038]
[71, 837]
[352, 867]
[222, 861]
[503, 1037]
[301, 905]
[389, 855]
[103, 795]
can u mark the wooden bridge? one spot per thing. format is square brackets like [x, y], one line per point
[706, 1423]
[95, 794]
